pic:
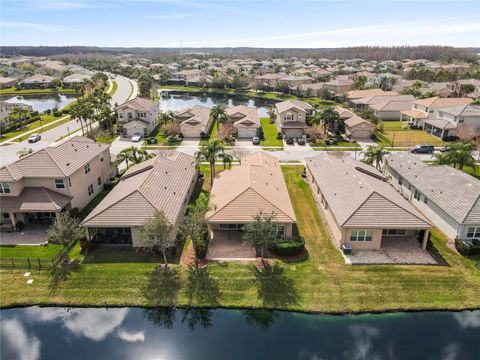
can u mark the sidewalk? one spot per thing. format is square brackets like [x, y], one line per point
[34, 130]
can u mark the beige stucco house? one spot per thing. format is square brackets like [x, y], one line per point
[194, 121]
[54, 179]
[137, 116]
[239, 194]
[360, 207]
[163, 183]
[292, 116]
[245, 120]
[38, 81]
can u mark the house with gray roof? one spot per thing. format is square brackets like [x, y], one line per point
[163, 183]
[55, 179]
[360, 207]
[448, 197]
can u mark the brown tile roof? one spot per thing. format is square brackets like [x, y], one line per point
[59, 161]
[158, 184]
[34, 199]
[196, 114]
[242, 192]
[416, 114]
[358, 196]
[356, 120]
[438, 102]
[38, 78]
[358, 94]
[394, 105]
[243, 115]
[293, 104]
[139, 104]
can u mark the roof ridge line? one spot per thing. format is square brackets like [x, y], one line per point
[401, 207]
[275, 206]
[469, 211]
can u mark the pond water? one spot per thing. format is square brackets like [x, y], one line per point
[165, 333]
[41, 103]
[178, 100]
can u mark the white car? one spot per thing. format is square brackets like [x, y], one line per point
[136, 137]
[34, 138]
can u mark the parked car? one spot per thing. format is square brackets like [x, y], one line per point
[290, 141]
[423, 149]
[279, 136]
[136, 137]
[301, 141]
[34, 138]
[256, 140]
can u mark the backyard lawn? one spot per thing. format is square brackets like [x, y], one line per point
[321, 283]
[270, 133]
[409, 138]
[24, 251]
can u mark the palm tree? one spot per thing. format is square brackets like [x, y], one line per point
[166, 117]
[329, 117]
[272, 115]
[218, 113]
[227, 160]
[375, 155]
[460, 155]
[18, 115]
[76, 112]
[88, 113]
[122, 156]
[209, 152]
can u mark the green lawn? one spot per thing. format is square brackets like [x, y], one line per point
[409, 138]
[13, 91]
[46, 119]
[322, 283]
[393, 125]
[24, 251]
[270, 133]
[114, 88]
[92, 204]
[472, 171]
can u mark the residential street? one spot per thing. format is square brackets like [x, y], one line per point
[8, 153]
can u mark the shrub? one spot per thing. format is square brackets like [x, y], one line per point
[200, 244]
[289, 248]
[34, 113]
[57, 113]
[55, 109]
[66, 111]
[48, 111]
[468, 248]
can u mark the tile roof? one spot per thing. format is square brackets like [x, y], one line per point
[242, 192]
[447, 187]
[139, 104]
[438, 102]
[358, 94]
[59, 161]
[393, 105]
[242, 114]
[462, 110]
[359, 196]
[158, 184]
[194, 115]
[34, 199]
[357, 120]
[38, 78]
[380, 99]
[293, 104]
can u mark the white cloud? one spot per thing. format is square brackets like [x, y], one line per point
[363, 336]
[468, 319]
[16, 343]
[129, 336]
[35, 26]
[451, 352]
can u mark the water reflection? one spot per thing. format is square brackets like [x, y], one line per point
[41, 103]
[196, 333]
[175, 101]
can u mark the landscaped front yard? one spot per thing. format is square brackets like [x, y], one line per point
[270, 133]
[321, 283]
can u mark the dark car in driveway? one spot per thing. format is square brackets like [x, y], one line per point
[301, 141]
[423, 149]
[290, 141]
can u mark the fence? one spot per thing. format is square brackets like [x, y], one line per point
[36, 262]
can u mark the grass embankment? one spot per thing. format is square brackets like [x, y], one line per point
[14, 92]
[24, 251]
[322, 283]
[114, 88]
[46, 120]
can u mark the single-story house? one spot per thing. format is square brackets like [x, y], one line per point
[391, 109]
[75, 79]
[163, 183]
[6, 82]
[339, 86]
[359, 128]
[38, 81]
[448, 197]
[360, 207]
[239, 194]
[245, 120]
[194, 121]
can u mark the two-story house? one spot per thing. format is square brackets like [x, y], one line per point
[55, 179]
[292, 117]
[448, 197]
[137, 116]
[449, 119]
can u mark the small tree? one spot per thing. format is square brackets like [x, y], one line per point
[209, 152]
[158, 235]
[64, 229]
[24, 152]
[225, 133]
[261, 233]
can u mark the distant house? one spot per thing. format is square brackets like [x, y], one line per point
[359, 128]
[360, 207]
[187, 75]
[245, 120]
[269, 80]
[6, 108]
[39, 186]
[310, 89]
[194, 121]
[38, 81]
[362, 94]
[449, 119]
[380, 99]
[295, 81]
[163, 183]
[6, 82]
[339, 86]
[239, 194]
[448, 197]
[291, 117]
[391, 109]
[137, 115]
[75, 79]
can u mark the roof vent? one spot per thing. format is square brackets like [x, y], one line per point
[67, 164]
[174, 193]
[165, 188]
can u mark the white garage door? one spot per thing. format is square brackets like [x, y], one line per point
[361, 134]
[191, 131]
[247, 132]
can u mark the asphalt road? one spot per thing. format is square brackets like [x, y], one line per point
[8, 153]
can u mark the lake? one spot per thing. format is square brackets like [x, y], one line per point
[164, 333]
[41, 103]
[178, 100]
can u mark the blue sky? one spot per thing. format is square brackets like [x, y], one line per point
[210, 23]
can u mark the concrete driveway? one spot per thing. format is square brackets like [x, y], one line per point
[189, 146]
[32, 234]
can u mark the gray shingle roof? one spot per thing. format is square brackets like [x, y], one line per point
[452, 190]
[358, 196]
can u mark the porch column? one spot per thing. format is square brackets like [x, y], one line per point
[87, 233]
[441, 136]
[12, 219]
[57, 215]
[425, 239]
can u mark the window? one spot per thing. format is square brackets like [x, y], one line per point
[6, 215]
[4, 188]
[416, 195]
[361, 235]
[90, 190]
[461, 119]
[120, 116]
[400, 181]
[101, 157]
[87, 168]
[425, 200]
[231, 226]
[394, 232]
[59, 184]
[280, 231]
[99, 180]
[130, 116]
[289, 117]
[473, 232]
